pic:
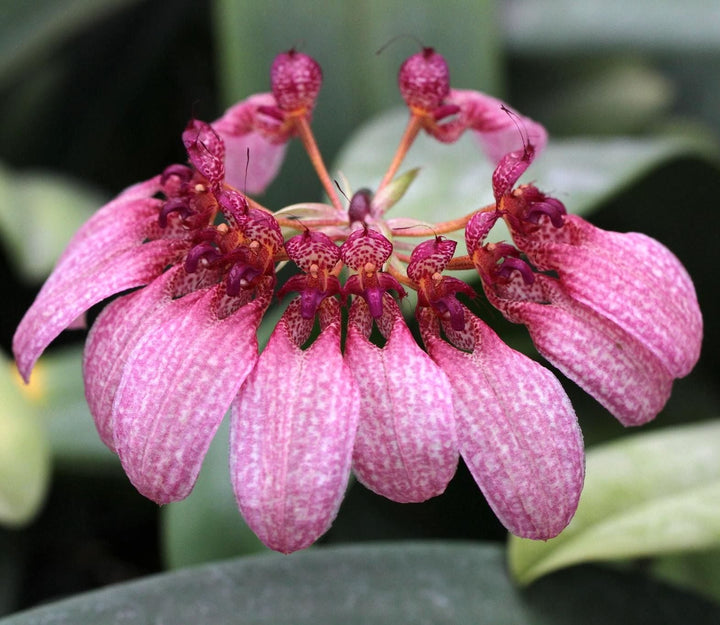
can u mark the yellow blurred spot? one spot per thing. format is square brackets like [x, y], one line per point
[35, 390]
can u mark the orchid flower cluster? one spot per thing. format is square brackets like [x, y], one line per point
[195, 260]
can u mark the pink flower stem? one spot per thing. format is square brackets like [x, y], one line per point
[440, 228]
[411, 131]
[308, 139]
[309, 224]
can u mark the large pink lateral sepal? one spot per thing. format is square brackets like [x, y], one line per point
[406, 446]
[628, 278]
[291, 437]
[109, 254]
[177, 384]
[111, 340]
[612, 365]
[517, 431]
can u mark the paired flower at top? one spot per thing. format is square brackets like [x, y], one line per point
[196, 262]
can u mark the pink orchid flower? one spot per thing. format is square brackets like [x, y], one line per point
[194, 263]
[618, 315]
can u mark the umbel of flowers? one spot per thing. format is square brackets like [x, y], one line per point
[195, 260]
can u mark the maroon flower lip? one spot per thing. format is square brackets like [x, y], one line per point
[195, 262]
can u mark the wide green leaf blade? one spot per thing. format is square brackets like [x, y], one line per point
[29, 30]
[552, 26]
[39, 213]
[644, 495]
[407, 583]
[456, 179]
[24, 452]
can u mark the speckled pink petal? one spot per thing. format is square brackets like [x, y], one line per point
[406, 446]
[517, 430]
[112, 339]
[104, 257]
[176, 386]
[206, 151]
[264, 164]
[238, 128]
[292, 432]
[61, 301]
[610, 364]
[634, 281]
[498, 131]
[120, 223]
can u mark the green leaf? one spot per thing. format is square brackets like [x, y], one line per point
[24, 453]
[32, 29]
[39, 213]
[605, 95]
[553, 26]
[644, 495]
[406, 583]
[73, 437]
[456, 179]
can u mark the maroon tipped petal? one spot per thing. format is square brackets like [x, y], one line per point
[296, 79]
[424, 80]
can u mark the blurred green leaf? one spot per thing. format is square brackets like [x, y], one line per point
[456, 179]
[605, 95]
[595, 25]
[388, 584]
[697, 571]
[356, 78]
[24, 452]
[31, 29]
[644, 495]
[73, 437]
[39, 213]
